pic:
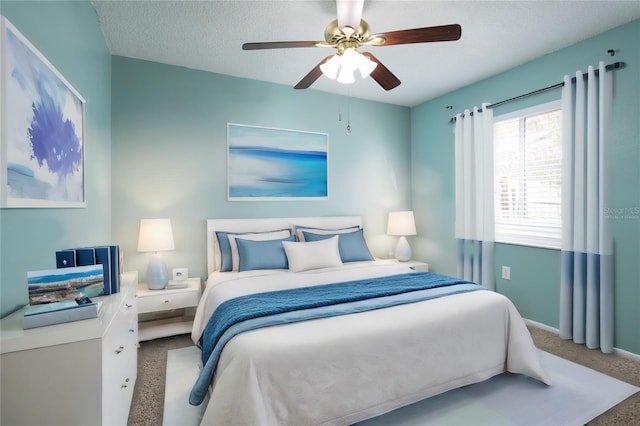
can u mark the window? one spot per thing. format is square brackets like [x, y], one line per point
[528, 176]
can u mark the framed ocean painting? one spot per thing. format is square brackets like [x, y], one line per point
[41, 129]
[276, 164]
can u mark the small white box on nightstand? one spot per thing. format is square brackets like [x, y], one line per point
[180, 274]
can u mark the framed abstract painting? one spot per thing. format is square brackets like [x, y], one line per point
[41, 130]
[276, 164]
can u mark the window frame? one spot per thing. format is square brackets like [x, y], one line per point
[533, 234]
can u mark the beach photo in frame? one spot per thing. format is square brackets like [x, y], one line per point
[41, 129]
[265, 163]
[57, 285]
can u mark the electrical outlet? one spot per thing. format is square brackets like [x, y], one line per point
[506, 272]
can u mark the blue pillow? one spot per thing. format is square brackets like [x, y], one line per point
[268, 254]
[225, 251]
[226, 260]
[352, 246]
[300, 230]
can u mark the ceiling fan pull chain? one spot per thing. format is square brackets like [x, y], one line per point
[348, 111]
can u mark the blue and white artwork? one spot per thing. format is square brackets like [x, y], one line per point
[276, 164]
[42, 141]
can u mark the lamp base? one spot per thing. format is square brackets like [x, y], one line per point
[157, 275]
[403, 250]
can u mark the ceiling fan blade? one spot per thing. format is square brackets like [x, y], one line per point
[313, 75]
[279, 45]
[382, 75]
[349, 13]
[421, 35]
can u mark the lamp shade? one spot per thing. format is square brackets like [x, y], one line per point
[401, 223]
[345, 76]
[366, 65]
[331, 67]
[155, 235]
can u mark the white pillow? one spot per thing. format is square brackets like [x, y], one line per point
[312, 255]
[262, 236]
[322, 231]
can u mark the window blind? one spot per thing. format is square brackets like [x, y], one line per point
[528, 176]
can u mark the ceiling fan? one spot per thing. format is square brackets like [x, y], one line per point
[346, 34]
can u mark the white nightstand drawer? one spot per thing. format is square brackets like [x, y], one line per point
[167, 300]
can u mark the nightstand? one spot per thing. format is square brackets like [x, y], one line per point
[166, 312]
[416, 265]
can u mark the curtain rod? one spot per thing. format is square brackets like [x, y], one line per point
[613, 66]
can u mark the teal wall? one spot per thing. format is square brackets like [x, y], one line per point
[535, 273]
[169, 142]
[69, 36]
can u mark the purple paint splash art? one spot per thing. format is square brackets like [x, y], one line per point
[53, 138]
[43, 153]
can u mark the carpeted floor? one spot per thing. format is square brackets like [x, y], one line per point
[148, 397]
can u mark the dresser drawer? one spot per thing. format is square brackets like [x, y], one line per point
[120, 361]
[119, 355]
[168, 300]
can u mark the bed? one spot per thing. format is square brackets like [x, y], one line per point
[355, 359]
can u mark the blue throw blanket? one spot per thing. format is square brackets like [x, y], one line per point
[259, 310]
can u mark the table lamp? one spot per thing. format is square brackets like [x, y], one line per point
[402, 224]
[155, 236]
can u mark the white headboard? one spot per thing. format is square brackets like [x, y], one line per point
[267, 224]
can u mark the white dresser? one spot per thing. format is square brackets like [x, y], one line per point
[76, 373]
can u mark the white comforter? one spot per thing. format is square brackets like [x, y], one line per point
[349, 368]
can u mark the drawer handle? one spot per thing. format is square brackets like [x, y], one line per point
[131, 330]
[166, 301]
[128, 305]
[120, 349]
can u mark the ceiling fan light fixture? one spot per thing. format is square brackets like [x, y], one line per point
[331, 67]
[354, 60]
[346, 76]
[342, 66]
[366, 65]
[350, 59]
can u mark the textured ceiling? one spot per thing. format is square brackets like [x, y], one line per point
[496, 36]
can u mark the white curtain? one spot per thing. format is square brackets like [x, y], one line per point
[474, 224]
[587, 281]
